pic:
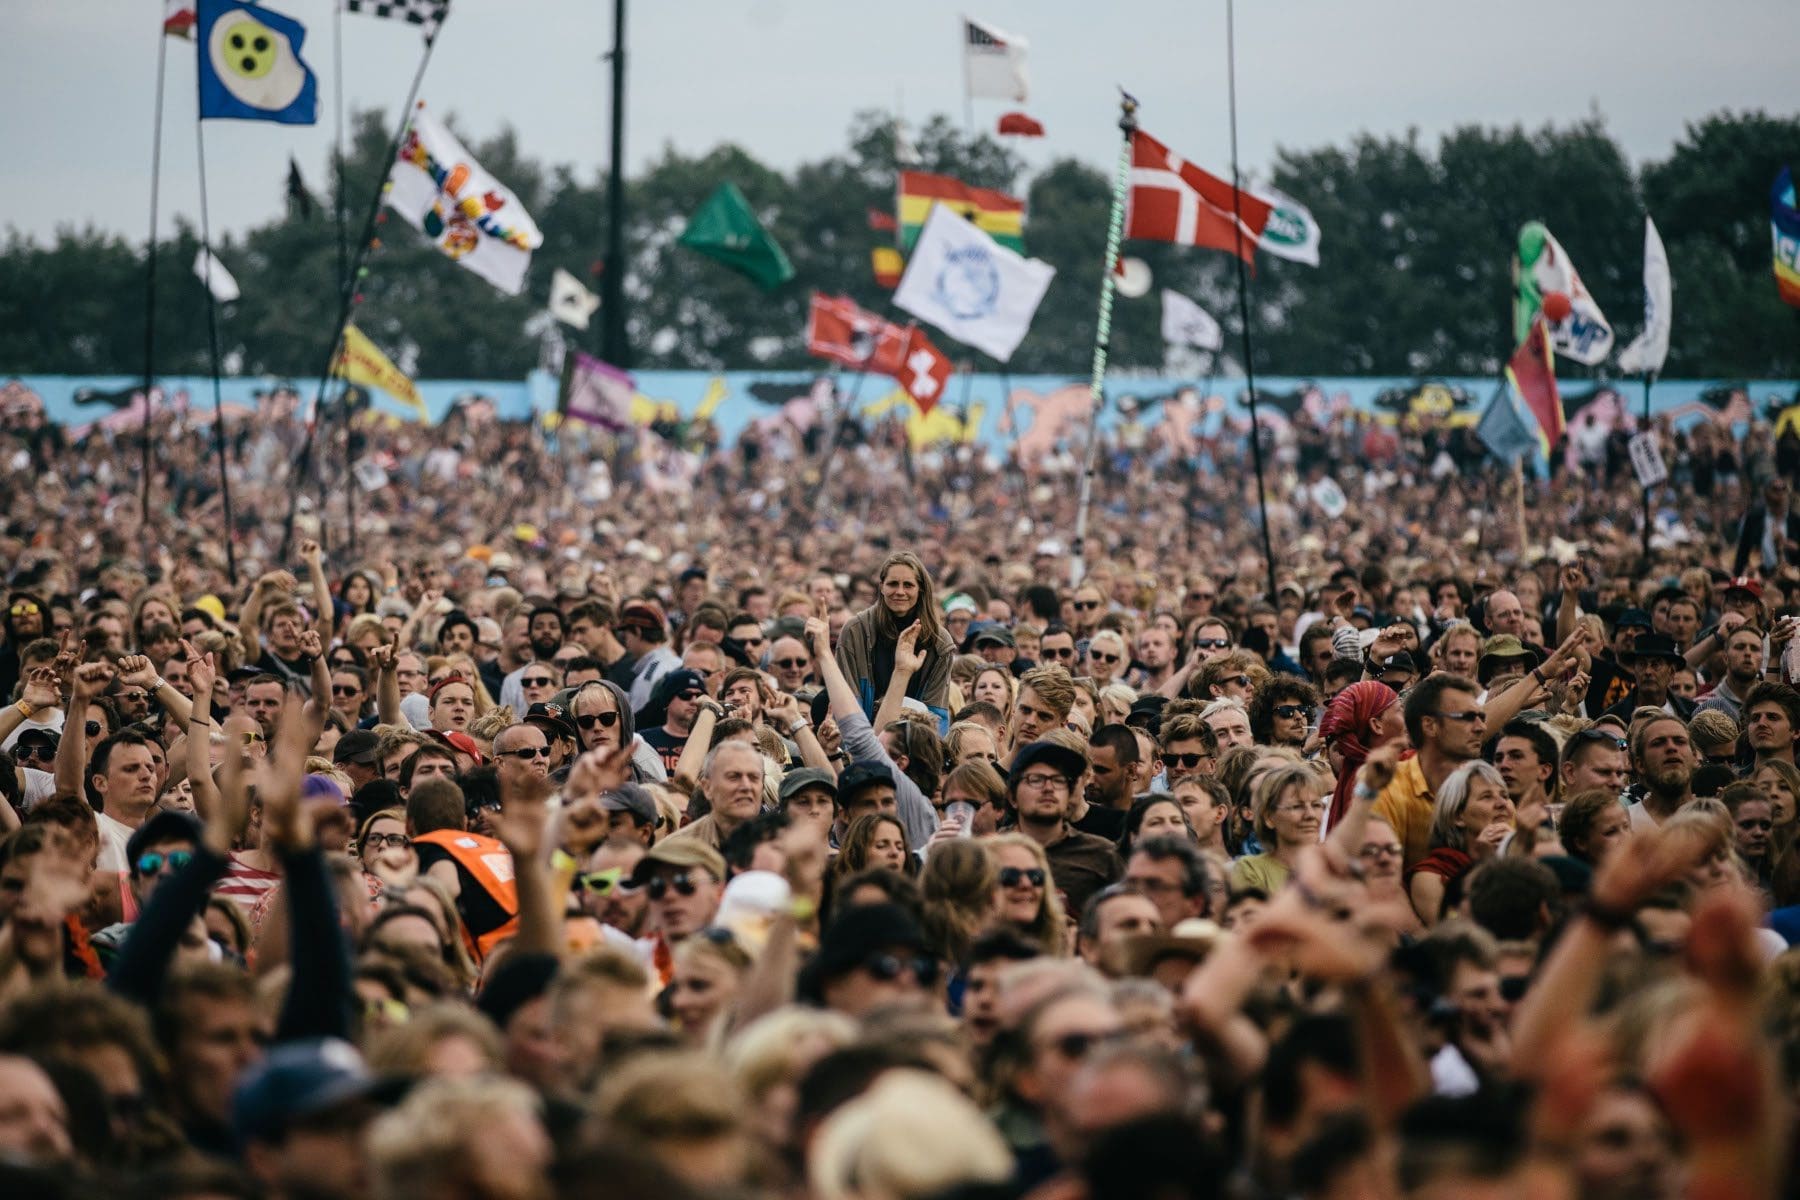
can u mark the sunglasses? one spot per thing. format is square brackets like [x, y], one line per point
[1467, 716]
[345, 689]
[1211, 643]
[91, 728]
[386, 841]
[681, 881]
[1242, 681]
[1096, 656]
[1189, 761]
[1013, 876]
[792, 664]
[35, 751]
[606, 719]
[1602, 736]
[601, 883]
[529, 752]
[889, 967]
[1075, 1046]
[1374, 850]
[1208, 596]
[538, 681]
[691, 695]
[1289, 711]
[1086, 605]
[153, 862]
[1059, 652]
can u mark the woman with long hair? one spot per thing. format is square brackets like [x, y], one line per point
[956, 890]
[1358, 719]
[1154, 815]
[866, 647]
[1025, 891]
[1472, 817]
[359, 592]
[874, 840]
[995, 685]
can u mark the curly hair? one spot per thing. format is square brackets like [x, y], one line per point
[1273, 691]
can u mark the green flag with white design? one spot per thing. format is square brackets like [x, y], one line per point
[725, 229]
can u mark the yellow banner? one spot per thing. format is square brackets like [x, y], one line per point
[361, 362]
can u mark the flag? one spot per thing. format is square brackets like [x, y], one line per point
[440, 190]
[1290, 232]
[297, 195]
[925, 371]
[841, 332]
[993, 62]
[974, 289]
[1534, 376]
[1784, 223]
[178, 18]
[1019, 125]
[360, 361]
[887, 265]
[906, 151]
[995, 213]
[597, 392]
[1185, 323]
[1649, 350]
[1503, 429]
[1542, 269]
[1172, 200]
[250, 67]
[571, 303]
[726, 229]
[427, 14]
[883, 222]
[211, 272]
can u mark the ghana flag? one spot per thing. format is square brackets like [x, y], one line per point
[996, 214]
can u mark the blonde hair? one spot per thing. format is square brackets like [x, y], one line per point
[1049, 930]
[870, 1147]
[406, 1049]
[775, 1048]
[419, 1148]
[956, 892]
[669, 1095]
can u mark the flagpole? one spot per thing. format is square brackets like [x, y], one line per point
[162, 59]
[837, 435]
[1243, 290]
[1649, 379]
[1115, 229]
[343, 254]
[212, 338]
[348, 295]
[615, 345]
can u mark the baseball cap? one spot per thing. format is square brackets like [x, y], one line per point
[459, 741]
[357, 746]
[682, 679]
[993, 634]
[858, 776]
[678, 851]
[806, 777]
[1050, 754]
[294, 1081]
[553, 719]
[1743, 583]
[642, 614]
[960, 602]
[629, 797]
[163, 826]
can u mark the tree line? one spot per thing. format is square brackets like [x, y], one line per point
[1415, 279]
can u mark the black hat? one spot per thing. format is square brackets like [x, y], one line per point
[553, 720]
[163, 826]
[357, 746]
[630, 798]
[992, 634]
[1632, 618]
[860, 775]
[859, 931]
[1654, 645]
[1063, 759]
[516, 982]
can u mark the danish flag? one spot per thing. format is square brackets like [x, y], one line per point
[1172, 200]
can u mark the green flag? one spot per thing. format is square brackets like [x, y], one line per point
[725, 229]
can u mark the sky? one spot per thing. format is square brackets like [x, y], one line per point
[782, 78]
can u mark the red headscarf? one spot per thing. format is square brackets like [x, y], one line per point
[1346, 725]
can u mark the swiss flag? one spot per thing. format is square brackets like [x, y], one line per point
[925, 372]
[1172, 200]
[837, 329]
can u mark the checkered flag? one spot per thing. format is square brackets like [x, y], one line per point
[427, 14]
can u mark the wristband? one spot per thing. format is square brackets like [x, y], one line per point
[159, 685]
[1608, 918]
[794, 729]
[801, 908]
[1363, 791]
[25, 710]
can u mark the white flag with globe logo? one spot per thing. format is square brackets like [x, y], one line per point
[974, 289]
[1290, 232]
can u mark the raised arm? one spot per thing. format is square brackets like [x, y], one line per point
[201, 673]
[523, 828]
[1569, 609]
[325, 621]
[138, 670]
[693, 753]
[785, 715]
[250, 620]
[91, 679]
[387, 684]
[39, 693]
[312, 649]
[908, 661]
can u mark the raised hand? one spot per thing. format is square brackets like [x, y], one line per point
[598, 771]
[310, 552]
[277, 581]
[311, 644]
[91, 680]
[907, 656]
[381, 657]
[523, 822]
[818, 636]
[41, 690]
[287, 822]
[137, 670]
[1378, 769]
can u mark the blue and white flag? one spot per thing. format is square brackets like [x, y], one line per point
[250, 67]
[1504, 430]
[971, 287]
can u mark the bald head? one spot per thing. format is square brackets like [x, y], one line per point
[1505, 614]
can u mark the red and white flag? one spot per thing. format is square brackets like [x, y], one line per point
[925, 371]
[1172, 200]
[178, 18]
[838, 330]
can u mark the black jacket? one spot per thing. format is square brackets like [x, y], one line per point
[1750, 536]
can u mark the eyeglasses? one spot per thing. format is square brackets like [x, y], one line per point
[1211, 643]
[602, 883]
[1075, 1046]
[1086, 605]
[134, 696]
[1013, 876]
[1203, 595]
[538, 681]
[1379, 850]
[1467, 716]
[526, 752]
[1103, 658]
[386, 841]
[344, 689]
[606, 719]
[153, 862]
[792, 664]
[1290, 711]
[1242, 681]
[1188, 761]
[1602, 736]
[889, 967]
[681, 881]
[1043, 782]
[91, 728]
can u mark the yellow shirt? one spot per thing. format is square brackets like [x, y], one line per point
[1406, 803]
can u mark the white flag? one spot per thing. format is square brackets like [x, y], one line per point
[1290, 231]
[993, 62]
[440, 190]
[1584, 335]
[1185, 323]
[210, 271]
[906, 151]
[571, 303]
[1649, 350]
[974, 289]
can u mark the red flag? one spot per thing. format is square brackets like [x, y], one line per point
[925, 372]
[1021, 125]
[838, 330]
[1534, 377]
[888, 266]
[883, 222]
[1174, 201]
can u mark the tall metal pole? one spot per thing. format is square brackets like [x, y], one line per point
[1649, 378]
[162, 57]
[1243, 289]
[212, 337]
[614, 345]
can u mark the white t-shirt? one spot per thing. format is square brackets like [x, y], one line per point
[54, 725]
[114, 833]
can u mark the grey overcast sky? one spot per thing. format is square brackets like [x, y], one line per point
[782, 77]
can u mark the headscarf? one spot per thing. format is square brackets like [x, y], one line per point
[1346, 725]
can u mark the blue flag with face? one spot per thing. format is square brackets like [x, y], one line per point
[250, 65]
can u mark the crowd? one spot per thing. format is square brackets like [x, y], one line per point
[602, 825]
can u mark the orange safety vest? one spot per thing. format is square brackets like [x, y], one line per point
[492, 866]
